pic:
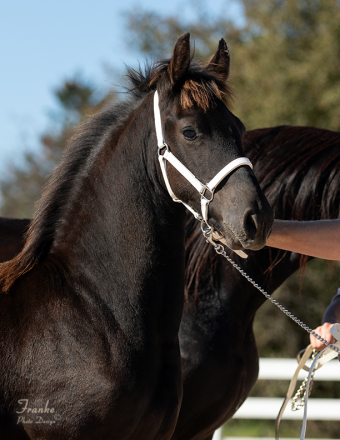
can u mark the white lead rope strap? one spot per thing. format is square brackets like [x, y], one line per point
[320, 359]
[165, 155]
[291, 388]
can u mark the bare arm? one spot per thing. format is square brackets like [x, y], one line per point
[319, 238]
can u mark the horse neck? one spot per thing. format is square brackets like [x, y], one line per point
[238, 299]
[123, 237]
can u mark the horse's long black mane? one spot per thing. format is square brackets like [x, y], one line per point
[200, 87]
[295, 169]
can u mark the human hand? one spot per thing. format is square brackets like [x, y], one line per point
[324, 331]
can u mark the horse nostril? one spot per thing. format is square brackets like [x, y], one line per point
[249, 225]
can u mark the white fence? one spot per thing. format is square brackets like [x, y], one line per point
[267, 408]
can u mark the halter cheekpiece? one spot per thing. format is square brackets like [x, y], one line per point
[206, 191]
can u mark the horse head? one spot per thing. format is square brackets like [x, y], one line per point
[197, 128]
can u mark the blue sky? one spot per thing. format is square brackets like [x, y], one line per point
[43, 42]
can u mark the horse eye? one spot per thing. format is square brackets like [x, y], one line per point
[189, 134]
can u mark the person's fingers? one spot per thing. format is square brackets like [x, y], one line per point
[325, 332]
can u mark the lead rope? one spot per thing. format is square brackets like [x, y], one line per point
[219, 249]
[318, 360]
[307, 385]
[300, 397]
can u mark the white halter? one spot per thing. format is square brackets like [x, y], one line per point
[164, 154]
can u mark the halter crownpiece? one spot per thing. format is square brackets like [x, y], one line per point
[164, 155]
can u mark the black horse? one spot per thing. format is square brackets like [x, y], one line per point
[90, 308]
[299, 171]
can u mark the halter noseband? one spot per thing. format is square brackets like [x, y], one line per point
[164, 154]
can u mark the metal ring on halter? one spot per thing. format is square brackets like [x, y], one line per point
[207, 230]
[161, 148]
[204, 190]
[219, 249]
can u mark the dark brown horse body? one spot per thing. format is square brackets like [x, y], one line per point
[299, 168]
[90, 308]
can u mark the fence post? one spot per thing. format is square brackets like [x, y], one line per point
[218, 434]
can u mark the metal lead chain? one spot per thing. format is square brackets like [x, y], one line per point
[220, 250]
[298, 400]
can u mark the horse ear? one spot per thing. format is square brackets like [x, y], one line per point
[221, 60]
[180, 60]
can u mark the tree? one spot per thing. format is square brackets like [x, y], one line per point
[22, 185]
[285, 67]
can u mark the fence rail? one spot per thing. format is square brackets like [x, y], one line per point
[267, 408]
